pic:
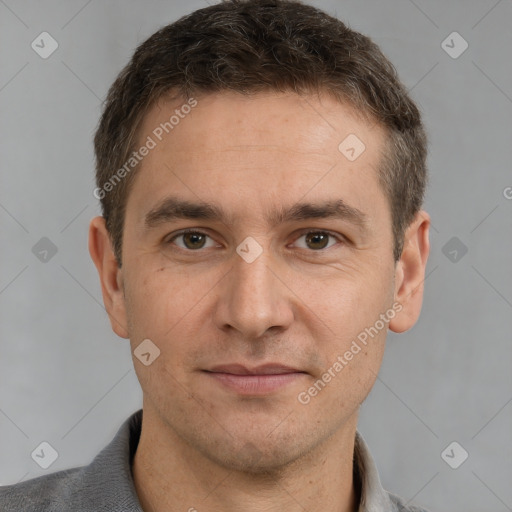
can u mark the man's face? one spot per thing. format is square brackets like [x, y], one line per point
[271, 165]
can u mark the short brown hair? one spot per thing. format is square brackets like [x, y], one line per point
[252, 46]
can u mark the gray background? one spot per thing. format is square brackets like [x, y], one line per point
[67, 379]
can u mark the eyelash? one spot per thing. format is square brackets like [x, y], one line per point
[339, 238]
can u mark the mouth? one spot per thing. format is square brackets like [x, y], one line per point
[259, 380]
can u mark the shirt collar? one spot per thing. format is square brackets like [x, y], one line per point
[373, 497]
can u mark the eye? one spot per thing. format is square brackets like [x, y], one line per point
[316, 240]
[192, 240]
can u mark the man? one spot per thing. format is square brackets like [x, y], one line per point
[261, 172]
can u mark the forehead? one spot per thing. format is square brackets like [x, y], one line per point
[227, 146]
[270, 118]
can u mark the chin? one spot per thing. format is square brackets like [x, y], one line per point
[252, 460]
[257, 454]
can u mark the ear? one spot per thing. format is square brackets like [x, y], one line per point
[410, 273]
[111, 278]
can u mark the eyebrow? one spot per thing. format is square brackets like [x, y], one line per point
[173, 208]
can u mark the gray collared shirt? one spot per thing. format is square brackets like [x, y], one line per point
[106, 484]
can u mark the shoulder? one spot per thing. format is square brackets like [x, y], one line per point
[401, 505]
[48, 493]
[106, 484]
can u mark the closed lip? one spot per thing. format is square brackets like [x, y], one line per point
[264, 369]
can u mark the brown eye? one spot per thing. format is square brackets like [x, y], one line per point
[317, 240]
[192, 240]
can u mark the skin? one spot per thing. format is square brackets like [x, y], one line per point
[205, 446]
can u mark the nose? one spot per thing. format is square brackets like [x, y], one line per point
[254, 298]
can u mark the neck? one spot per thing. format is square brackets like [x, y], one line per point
[169, 474]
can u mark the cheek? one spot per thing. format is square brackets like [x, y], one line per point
[352, 340]
[346, 304]
[148, 304]
[160, 307]
[163, 304]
